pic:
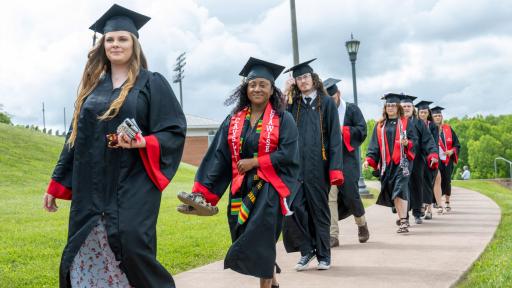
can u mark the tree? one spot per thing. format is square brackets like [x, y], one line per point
[4, 118]
[481, 155]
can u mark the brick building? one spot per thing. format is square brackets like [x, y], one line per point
[200, 132]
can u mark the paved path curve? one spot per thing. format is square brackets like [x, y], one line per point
[434, 254]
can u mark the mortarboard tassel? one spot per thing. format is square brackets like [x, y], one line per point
[94, 39]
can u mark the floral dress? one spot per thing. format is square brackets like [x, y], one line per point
[95, 265]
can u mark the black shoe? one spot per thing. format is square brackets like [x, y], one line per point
[334, 242]
[393, 209]
[304, 261]
[418, 220]
[363, 233]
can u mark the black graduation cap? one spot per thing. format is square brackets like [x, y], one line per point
[422, 105]
[392, 98]
[330, 86]
[301, 68]
[407, 98]
[256, 68]
[118, 18]
[437, 110]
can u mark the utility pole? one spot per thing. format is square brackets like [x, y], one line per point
[178, 67]
[44, 119]
[295, 41]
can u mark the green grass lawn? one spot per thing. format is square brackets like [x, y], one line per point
[494, 267]
[32, 240]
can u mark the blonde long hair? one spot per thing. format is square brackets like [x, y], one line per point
[97, 64]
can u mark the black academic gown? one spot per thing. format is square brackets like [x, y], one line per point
[393, 182]
[253, 249]
[122, 186]
[429, 175]
[446, 169]
[425, 149]
[308, 229]
[354, 134]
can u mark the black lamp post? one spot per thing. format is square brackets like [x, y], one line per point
[352, 48]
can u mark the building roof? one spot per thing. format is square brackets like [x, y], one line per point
[200, 122]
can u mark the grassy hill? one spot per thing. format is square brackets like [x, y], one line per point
[32, 239]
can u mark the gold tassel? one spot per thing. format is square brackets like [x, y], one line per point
[290, 98]
[324, 156]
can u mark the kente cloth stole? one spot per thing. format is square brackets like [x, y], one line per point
[239, 206]
[243, 207]
[268, 131]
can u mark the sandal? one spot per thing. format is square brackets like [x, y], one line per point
[198, 203]
[186, 209]
[447, 207]
[403, 226]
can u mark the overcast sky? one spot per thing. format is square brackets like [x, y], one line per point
[455, 53]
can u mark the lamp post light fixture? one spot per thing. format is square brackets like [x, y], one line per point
[352, 47]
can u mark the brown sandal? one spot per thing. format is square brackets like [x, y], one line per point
[403, 226]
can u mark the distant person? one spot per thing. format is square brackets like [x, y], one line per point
[391, 153]
[113, 178]
[466, 175]
[448, 153]
[426, 158]
[344, 200]
[255, 152]
[432, 179]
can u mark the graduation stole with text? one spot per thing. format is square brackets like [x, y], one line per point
[268, 141]
[384, 150]
[447, 131]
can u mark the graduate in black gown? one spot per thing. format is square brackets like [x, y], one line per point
[344, 200]
[448, 153]
[432, 193]
[391, 153]
[117, 186]
[256, 151]
[426, 159]
[320, 146]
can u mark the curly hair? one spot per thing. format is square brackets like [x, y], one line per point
[239, 96]
[317, 84]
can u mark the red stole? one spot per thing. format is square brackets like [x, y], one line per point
[267, 143]
[396, 150]
[447, 131]
[345, 132]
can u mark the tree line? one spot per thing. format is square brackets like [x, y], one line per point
[482, 140]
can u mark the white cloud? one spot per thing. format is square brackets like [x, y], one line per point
[419, 47]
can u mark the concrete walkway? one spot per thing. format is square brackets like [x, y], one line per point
[433, 254]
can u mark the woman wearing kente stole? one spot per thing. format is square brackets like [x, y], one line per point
[256, 151]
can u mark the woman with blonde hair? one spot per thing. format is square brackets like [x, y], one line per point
[123, 148]
[390, 153]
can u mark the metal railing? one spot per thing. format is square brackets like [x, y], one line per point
[496, 167]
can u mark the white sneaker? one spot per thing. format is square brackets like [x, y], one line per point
[323, 265]
[304, 262]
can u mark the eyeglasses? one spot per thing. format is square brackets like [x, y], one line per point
[303, 77]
